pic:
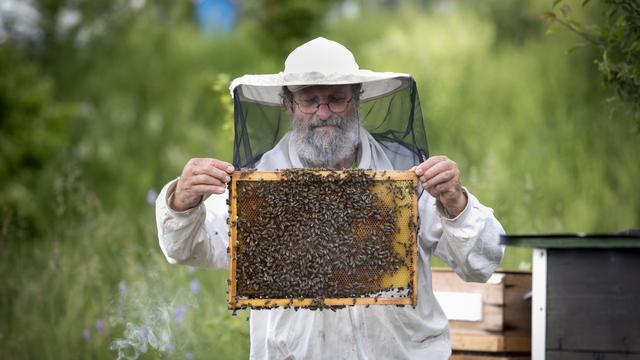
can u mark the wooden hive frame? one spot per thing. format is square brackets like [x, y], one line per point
[408, 229]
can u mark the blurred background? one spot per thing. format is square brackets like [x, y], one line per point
[102, 102]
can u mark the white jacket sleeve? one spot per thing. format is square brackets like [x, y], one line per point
[469, 243]
[196, 237]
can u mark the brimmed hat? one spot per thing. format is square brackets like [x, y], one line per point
[317, 62]
[389, 106]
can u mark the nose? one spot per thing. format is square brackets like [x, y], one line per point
[323, 112]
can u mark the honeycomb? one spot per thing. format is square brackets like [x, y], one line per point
[322, 238]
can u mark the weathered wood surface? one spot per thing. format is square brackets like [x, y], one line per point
[397, 175]
[593, 304]
[506, 316]
[486, 356]
[490, 343]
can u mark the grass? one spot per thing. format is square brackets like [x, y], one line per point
[76, 296]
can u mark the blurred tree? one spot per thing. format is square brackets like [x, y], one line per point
[34, 138]
[283, 25]
[83, 103]
[75, 28]
[514, 21]
[617, 39]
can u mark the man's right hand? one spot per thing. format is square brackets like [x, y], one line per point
[200, 177]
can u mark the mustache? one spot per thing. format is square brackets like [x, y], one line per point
[333, 121]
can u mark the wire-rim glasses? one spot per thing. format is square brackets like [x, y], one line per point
[310, 107]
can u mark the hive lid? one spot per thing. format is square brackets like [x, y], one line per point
[625, 239]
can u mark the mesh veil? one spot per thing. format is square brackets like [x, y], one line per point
[393, 119]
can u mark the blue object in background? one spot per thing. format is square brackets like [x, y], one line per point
[216, 15]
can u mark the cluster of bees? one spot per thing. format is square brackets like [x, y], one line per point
[316, 235]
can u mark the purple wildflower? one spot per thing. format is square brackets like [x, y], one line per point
[122, 288]
[100, 326]
[86, 334]
[152, 195]
[144, 333]
[180, 312]
[188, 356]
[195, 287]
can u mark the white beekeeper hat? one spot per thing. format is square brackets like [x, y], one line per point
[389, 107]
[317, 62]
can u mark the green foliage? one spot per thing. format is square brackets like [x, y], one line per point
[525, 123]
[90, 131]
[514, 21]
[280, 26]
[28, 152]
[617, 40]
[76, 295]
[93, 123]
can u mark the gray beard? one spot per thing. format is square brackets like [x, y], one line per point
[317, 149]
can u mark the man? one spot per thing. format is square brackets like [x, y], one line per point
[322, 89]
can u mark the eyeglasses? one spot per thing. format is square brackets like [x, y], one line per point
[311, 106]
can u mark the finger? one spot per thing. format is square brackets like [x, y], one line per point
[440, 178]
[199, 163]
[205, 179]
[209, 189]
[212, 172]
[430, 162]
[444, 188]
[219, 164]
[438, 168]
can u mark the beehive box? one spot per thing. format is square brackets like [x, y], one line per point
[488, 318]
[472, 355]
[322, 238]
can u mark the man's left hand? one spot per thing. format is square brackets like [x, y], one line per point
[440, 176]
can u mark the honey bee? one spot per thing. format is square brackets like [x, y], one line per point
[315, 235]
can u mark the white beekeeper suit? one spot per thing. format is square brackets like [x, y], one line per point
[468, 243]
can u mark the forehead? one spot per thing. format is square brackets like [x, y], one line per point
[324, 90]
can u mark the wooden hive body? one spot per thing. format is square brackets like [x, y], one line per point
[503, 320]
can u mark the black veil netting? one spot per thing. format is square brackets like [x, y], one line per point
[394, 119]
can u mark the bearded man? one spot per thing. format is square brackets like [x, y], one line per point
[331, 102]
